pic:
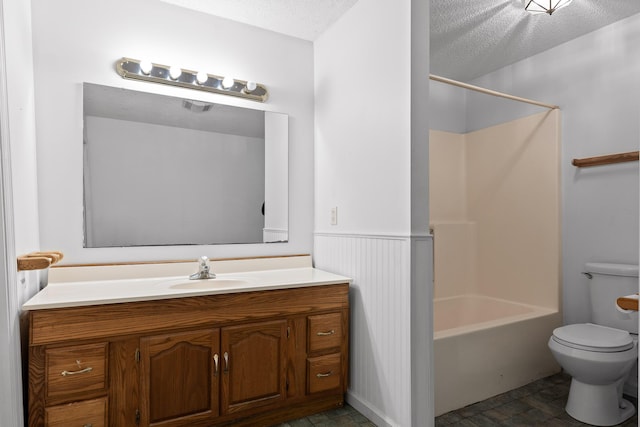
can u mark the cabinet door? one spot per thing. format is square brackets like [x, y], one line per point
[180, 378]
[253, 365]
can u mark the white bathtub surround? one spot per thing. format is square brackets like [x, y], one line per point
[381, 318]
[495, 210]
[485, 346]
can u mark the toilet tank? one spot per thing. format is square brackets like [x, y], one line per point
[607, 283]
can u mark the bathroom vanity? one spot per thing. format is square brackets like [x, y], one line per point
[250, 348]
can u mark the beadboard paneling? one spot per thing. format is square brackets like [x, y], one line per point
[380, 266]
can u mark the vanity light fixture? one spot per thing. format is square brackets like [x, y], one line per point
[145, 67]
[250, 87]
[142, 70]
[202, 77]
[227, 82]
[545, 6]
[175, 72]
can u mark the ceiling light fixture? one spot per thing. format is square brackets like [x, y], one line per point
[175, 76]
[545, 6]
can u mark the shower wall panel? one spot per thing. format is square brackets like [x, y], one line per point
[495, 211]
[513, 185]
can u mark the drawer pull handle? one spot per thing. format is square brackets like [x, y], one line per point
[326, 374]
[215, 362]
[88, 425]
[226, 361]
[327, 333]
[81, 371]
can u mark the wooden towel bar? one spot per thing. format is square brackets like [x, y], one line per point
[627, 303]
[38, 260]
[630, 156]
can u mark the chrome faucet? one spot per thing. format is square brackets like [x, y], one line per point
[203, 270]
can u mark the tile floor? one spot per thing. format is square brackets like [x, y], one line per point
[344, 417]
[540, 403]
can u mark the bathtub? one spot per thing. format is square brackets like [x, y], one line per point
[485, 346]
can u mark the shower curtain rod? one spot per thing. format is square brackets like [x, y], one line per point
[490, 92]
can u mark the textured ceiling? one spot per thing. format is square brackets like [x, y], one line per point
[472, 38]
[304, 19]
[468, 38]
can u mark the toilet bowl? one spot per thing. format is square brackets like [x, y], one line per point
[599, 360]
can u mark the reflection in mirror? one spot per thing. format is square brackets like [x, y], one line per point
[160, 170]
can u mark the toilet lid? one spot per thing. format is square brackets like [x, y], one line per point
[590, 337]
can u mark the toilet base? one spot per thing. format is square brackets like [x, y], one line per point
[599, 405]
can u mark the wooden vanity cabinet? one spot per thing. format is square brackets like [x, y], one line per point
[253, 365]
[179, 377]
[254, 358]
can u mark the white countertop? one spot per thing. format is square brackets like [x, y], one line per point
[95, 292]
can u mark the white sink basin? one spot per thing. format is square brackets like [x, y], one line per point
[209, 284]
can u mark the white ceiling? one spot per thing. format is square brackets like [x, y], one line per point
[468, 38]
[304, 19]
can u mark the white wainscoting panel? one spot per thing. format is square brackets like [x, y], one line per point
[270, 235]
[380, 297]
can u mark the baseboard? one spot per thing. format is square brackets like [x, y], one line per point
[368, 410]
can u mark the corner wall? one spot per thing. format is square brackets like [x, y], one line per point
[18, 196]
[371, 163]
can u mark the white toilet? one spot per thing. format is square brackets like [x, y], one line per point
[599, 355]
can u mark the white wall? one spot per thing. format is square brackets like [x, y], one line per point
[594, 79]
[371, 83]
[447, 107]
[18, 192]
[363, 121]
[77, 41]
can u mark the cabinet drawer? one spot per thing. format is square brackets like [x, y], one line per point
[325, 332]
[89, 413]
[76, 369]
[323, 373]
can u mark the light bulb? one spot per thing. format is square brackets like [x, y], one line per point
[146, 66]
[175, 72]
[202, 77]
[250, 86]
[227, 82]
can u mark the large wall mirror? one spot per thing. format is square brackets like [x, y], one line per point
[160, 170]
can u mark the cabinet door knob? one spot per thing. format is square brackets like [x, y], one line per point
[226, 361]
[215, 363]
[324, 334]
